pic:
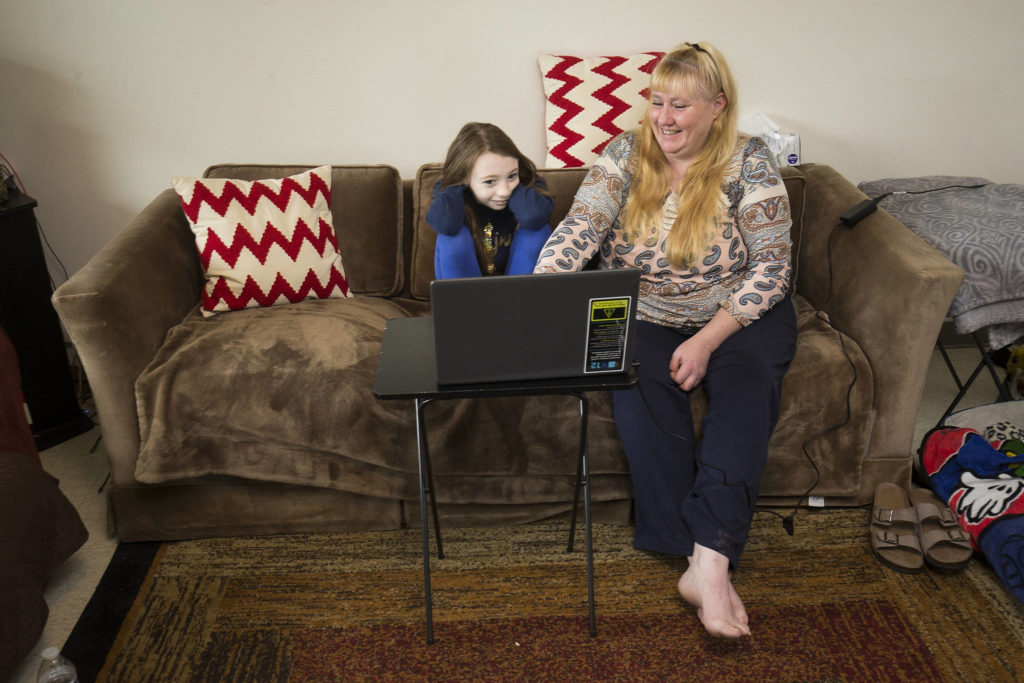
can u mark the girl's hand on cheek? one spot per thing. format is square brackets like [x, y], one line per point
[447, 211]
[531, 208]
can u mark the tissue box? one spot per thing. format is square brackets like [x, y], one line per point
[785, 146]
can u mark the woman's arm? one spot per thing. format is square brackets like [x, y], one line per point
[764, 221]
[595, 209]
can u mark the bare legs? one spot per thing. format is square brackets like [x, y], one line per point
[706, 585]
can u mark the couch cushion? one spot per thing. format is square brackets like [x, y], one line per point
[264, 242]
[366, 203]
[285, 395]
[590, 100]
[562, 183]
[278, 394]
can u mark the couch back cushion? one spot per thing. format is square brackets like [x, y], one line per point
[366, 202]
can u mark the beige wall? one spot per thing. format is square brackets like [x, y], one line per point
[102, 101]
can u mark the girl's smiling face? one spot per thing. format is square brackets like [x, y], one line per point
[493, 178]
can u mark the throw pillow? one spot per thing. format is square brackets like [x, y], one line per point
[264, 242]
[590, 100]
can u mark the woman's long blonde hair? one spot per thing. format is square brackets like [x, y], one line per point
[700, 71]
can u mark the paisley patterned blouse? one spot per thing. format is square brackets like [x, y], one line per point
[746, 271]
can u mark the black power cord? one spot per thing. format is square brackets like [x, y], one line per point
[856, 214]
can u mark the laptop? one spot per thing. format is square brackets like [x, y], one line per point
[529, 327]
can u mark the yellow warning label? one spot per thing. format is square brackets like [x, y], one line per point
[609, 309]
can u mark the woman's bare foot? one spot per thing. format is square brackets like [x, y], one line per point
[705, 584]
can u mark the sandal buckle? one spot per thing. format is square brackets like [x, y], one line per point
[958, 535]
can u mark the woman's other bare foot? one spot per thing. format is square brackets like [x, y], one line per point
[705, 584]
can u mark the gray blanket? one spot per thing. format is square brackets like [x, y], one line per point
[979, 229]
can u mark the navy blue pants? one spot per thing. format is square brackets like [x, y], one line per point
[687, 492]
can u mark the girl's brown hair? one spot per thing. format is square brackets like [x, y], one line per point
[700, 71]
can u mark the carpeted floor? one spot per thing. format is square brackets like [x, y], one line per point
[510, 603]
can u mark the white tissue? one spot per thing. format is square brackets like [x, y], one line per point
[785, 146]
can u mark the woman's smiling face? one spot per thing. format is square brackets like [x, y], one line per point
[682, 123]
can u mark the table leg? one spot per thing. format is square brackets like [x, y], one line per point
[986, 357]
[579, 477]
[985, 362]
[423, 452]
[960, 394]
[585, 461]
[423, 459]
[949, 365]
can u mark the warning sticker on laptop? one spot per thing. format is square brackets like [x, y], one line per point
[606, 335]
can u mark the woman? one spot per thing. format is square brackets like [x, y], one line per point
[703, 213]
[489, 208]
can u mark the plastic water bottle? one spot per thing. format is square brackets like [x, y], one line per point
[56, 668]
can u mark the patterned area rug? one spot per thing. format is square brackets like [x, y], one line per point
[510, 603]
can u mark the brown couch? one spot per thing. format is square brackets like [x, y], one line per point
[263, 421]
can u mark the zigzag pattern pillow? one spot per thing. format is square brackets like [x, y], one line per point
[264, 242]
[590, 100]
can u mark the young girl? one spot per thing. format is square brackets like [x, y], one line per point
[490, 210]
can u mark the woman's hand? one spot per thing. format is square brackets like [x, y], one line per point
[689, 362]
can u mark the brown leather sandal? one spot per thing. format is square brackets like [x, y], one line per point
[945, 544]
[894, 530]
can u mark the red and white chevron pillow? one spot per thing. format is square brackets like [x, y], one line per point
[590, 100]
[264, 242]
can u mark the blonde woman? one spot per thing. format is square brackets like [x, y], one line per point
[702, 211]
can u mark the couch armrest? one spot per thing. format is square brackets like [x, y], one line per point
[118, 309]
[890, 293]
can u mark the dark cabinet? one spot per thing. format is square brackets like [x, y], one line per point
[28, 318]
